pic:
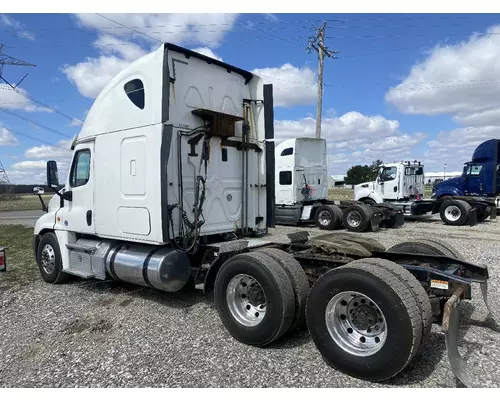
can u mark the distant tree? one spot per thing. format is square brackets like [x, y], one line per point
[359, 174]
[363, 173]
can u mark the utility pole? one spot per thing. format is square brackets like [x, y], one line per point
[8, 60]
[318, 44]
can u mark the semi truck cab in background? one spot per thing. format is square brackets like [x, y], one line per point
[480, 177]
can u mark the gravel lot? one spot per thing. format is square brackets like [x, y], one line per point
[105, 334]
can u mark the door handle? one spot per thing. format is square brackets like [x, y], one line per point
[89, 217]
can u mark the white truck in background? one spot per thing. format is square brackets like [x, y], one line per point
[302, 192]
[171, 179]
[401, 185]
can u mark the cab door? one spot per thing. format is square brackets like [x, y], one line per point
[78, 213]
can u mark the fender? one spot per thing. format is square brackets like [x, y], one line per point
[447, 191]
[367, 193]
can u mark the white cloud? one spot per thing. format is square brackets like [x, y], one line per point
[204, 29]
[208, 52]
[291, 85]
[354, 138]
[32, 170]
[10, 22]
[120, 46]
[461, 80]
[75, 122]
[6, 138]
[17, 99]
[92, 75]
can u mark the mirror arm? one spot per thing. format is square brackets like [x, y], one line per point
[44, 206]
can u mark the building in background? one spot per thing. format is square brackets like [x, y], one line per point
[337, 181]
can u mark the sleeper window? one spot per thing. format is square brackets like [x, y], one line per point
[135, 92]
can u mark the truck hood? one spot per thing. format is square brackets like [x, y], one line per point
[364, 186]
[448, 182]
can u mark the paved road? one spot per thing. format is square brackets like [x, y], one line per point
[26, 218]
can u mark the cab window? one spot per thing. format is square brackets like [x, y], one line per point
[474, 170]
[388, 174]
[80, 170]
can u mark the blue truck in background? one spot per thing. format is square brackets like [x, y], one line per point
[480, 177]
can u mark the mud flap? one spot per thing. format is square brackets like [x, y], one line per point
[472, 217]
[450, 328]
[493, 212]
[484, 291]
[375, 222]
[399, 220]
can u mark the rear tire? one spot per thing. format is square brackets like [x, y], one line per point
[328, 217]
[49, 259]
[343, 348]
[356, 218]
[299, 281]
[418, 291]
[244, 283]
[454, 212]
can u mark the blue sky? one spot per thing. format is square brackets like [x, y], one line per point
[403, 86]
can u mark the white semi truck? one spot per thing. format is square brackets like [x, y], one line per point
[402, 186]
[172, 179]
[302, 192]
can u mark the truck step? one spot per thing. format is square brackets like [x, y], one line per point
[81, 247]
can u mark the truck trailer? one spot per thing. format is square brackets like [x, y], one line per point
[402, 186]
[302, 192]
[171, 184]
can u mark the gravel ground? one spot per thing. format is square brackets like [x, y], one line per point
[105, 334]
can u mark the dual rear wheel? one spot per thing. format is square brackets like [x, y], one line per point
[368, 318]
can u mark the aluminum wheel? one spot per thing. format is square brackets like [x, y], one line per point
[452, 213]
[354, 218]
[325, 217]
[246, 300]
[48, 259]
[356, 323]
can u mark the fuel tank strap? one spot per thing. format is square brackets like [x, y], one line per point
[145, 268]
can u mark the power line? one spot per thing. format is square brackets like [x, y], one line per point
[264, 32]
[39, 102]
[36, 139]
[34, 122]
[132, 29]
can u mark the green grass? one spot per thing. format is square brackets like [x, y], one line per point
[21, 266]
[24, 202]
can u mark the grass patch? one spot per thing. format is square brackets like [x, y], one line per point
[21, 266]
[341, 194]
[348, 194]
[24, 202]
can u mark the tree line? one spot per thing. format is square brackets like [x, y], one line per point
[362, 173]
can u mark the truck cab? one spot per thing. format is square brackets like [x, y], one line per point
[401, 181]
[480, 177]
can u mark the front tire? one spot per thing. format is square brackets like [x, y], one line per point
[364, 321]
[49, 259]
[454, 212]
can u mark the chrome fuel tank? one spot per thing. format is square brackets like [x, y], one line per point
[162, 268]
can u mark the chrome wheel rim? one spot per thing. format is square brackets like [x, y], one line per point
[453, 213]
[324, 218]
[356, 323]
[48, 259]
[246, 300]
[353, 218]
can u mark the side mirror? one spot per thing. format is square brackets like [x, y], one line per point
[52, 175]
